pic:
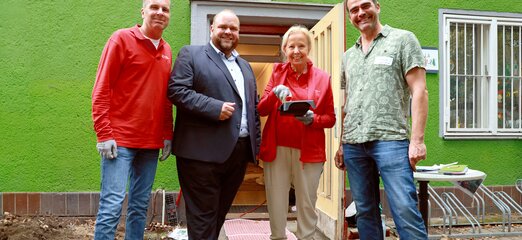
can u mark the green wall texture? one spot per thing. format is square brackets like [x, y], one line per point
[49, 55]
[49, 52]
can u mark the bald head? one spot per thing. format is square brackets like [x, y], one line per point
[224, 31]
[226, 12]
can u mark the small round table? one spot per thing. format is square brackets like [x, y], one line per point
[425, 178]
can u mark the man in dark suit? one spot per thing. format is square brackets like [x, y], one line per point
[217, 125]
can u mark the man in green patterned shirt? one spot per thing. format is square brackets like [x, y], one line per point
[381, 72]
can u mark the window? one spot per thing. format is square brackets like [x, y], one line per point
[481, 77]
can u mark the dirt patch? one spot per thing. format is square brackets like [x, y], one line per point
[53, 228]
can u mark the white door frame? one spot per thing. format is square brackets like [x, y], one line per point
[253, 12]
[262, 12]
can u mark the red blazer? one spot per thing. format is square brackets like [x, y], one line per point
[313, 140]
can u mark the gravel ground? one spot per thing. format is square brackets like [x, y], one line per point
[52, 228]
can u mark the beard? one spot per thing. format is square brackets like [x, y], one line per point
[226, 46]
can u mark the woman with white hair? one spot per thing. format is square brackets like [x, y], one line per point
[293, 147]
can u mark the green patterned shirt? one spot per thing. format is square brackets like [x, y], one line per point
[378, 97]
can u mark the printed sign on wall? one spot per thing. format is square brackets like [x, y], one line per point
[431, 59]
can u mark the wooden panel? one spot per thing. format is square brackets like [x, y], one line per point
[251, 191]
[21, 203]
[327, 50]
[263, 29]
[262, 50]
[261, 59]
[260, 39]
[33, 203]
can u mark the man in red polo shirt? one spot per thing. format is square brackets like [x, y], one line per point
[132, 118]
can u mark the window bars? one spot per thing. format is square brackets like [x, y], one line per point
[482, 77]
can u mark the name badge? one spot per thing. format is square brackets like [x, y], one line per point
[383, 60]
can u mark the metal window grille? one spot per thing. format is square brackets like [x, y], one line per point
[468, 76]
[482, 77]
[509, 77]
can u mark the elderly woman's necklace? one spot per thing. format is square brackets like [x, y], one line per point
[298, 74]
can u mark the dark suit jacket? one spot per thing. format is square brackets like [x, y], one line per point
[199, 85]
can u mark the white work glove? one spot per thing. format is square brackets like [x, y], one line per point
[165, 152]
[108, 149]
[308, 118]
[282, 92]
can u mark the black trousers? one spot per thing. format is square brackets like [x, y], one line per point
[210, 188]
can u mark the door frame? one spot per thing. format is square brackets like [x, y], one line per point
[327, 51]
[253, 12]
[256, 16]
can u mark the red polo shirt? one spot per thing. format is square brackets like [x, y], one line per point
[129, 99]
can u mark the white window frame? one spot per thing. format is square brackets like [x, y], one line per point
[489, 128]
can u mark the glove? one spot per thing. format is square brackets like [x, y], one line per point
[308, 118]
[282, 92]
[165, 152]
[108, 149]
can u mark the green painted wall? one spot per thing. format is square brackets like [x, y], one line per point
[49, 55]
[49, 52]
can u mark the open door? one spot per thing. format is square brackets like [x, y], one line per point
[327, 49]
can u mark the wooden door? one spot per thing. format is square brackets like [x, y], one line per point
[327, 50]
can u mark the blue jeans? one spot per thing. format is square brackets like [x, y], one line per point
[138, 168]
[365, 162]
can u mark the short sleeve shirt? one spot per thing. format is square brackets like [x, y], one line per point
[378, 98]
